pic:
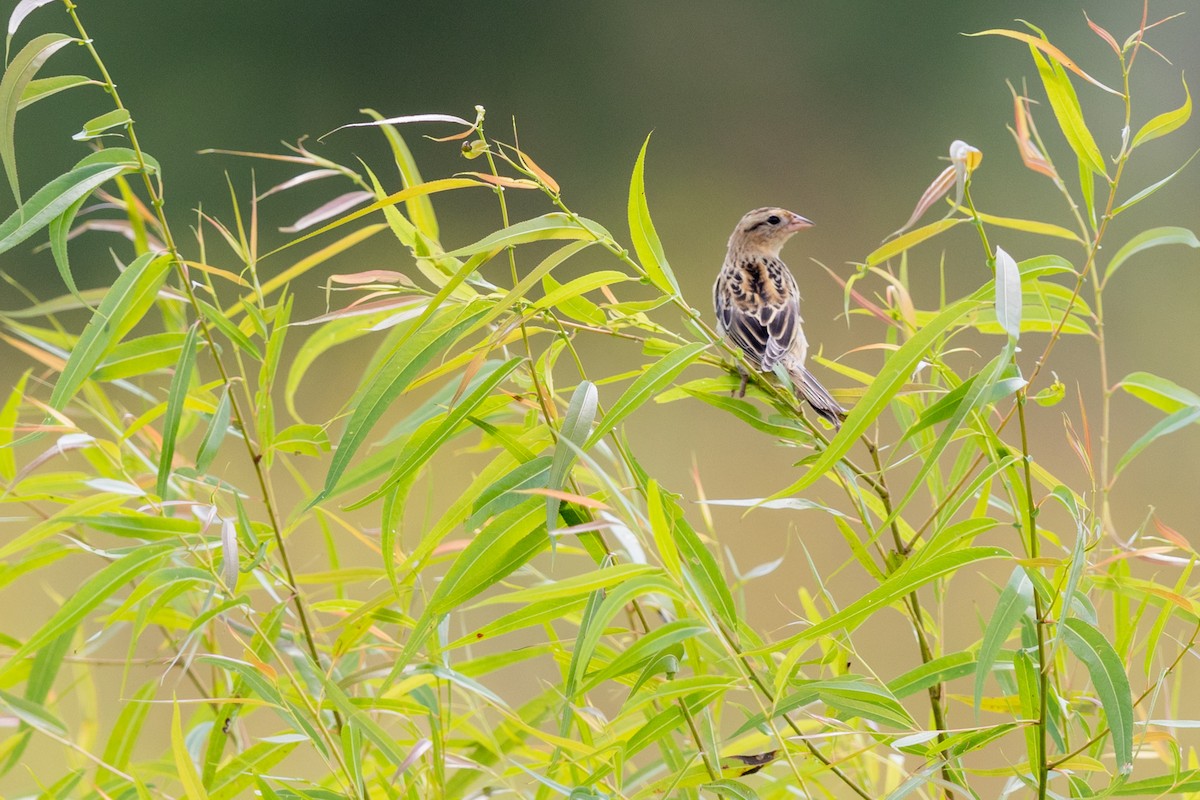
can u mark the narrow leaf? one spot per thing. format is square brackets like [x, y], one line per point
[895, 373]
[1008, 294]
[17, 75]
[1112, 684]
[1180, 419]
[652, 380]
[1014, 602]
[176, 396]
[641, 230]
[576, 426]
[1147, 239]
[123, 306]
[1166, 122]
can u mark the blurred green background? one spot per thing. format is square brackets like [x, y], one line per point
[839, 111]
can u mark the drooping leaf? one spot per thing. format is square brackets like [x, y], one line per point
[61, 193]
[1169, 424]
[17, 75]
[1111, 683]
[1159, 392]
[1147, 239]
[94, 591]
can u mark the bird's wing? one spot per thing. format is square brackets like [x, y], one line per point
[764, 324]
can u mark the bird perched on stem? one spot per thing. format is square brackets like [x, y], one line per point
[758, 304]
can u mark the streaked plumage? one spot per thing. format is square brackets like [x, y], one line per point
[758, 304]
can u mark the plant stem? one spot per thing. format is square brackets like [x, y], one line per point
[255, 457]
[1033, 545]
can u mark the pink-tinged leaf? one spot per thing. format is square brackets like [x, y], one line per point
[329, 210]
[1173, 536]
[229, 552]
[23, 10]
[569, 497]
[1031, 156]
[1103, 34]
[500, 180]
[303, 177]
[396, 319]
[372, 276]
[364, 309]
[543, 176]
[1050, 50]
[936, 191]
[375, 123]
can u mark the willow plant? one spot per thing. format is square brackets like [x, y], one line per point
[161, 452]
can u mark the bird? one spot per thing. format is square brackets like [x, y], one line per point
[758, 305]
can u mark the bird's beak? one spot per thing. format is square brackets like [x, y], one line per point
[799, 223]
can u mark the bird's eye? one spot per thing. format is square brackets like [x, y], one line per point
[774, 220]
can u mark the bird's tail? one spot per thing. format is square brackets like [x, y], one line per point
[816, 395]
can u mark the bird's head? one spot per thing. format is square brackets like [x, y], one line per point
[765, 230]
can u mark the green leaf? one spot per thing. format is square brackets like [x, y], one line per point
[390, 381]
[32, 714]
[94, 128]
[1147, 239]
[1166, 122]
[1112, 685]
[417, 453]
[41, 88]
[214, 434]
[911, 239]
[581, 413]
[711, 587]
[126, 731]
[652, 380]
[1159, 392]
[420, 208]
[1180, 419]
[302, 440]
[185, 768]
[123, 306]
[1067, 111]
[1178, 784]
[939, 670]
[727, 787]
[554, 225]
[1014, 602]
[17, 75]
[641, 230]
[1152, 188]
[176, 396]
[868, 701]
[895, 373]
[1008, 294]
[232, 332]
[140, 356]
[60, 194]
[83, 600]
[903, 581]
